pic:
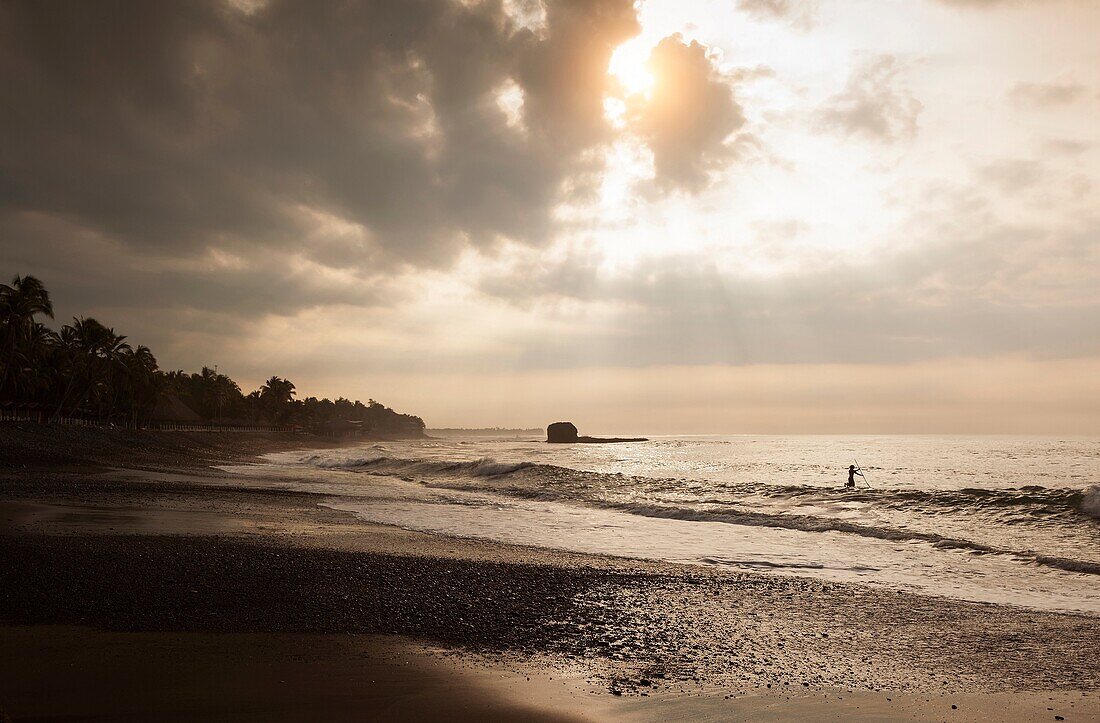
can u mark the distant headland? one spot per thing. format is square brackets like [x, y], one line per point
[482, 431]
[566, 433]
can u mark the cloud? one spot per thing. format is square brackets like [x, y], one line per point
[985, 4]
[91, 272]
[689, 117]
[801, 14]
[1046, 95]
[209, 175]
[1012, 175]
[875, 104]
[565, 75]
[959, 281]
[781, 230]
[360, 137]
[916, 306]
[1066, 146]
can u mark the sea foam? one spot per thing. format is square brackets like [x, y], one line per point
[1090, 502]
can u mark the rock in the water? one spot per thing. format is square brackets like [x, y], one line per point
[565, 432]
[561, 432]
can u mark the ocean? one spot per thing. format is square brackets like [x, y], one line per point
[1010, 520]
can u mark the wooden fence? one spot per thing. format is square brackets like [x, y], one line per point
[25, 416]
[175, 427]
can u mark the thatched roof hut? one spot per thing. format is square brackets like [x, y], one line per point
[171, 408]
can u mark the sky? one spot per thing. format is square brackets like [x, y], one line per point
[654, 217]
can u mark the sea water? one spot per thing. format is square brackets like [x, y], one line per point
[990, 519]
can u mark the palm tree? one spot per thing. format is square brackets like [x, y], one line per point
[111, 354]
[32, 364]
[94, 355]
[216, 392]
[226, 392]
[87, 369]
[142, 383]
[275, 396]
[19, 302]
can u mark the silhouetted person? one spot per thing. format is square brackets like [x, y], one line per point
[852, 472]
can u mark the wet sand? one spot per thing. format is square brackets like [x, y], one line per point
[171, 593]
[259, 677]
[70, 673]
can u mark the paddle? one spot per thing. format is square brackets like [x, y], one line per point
[860, 470]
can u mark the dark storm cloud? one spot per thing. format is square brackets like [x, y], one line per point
[689, 117]
[355, 135]
[94, 271]
[875, 104]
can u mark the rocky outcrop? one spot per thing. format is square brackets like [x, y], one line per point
[566, 432]
[561, 432]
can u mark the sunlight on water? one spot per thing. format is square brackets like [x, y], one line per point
[993, 519]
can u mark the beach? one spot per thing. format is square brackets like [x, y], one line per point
[139, 580]
[616, 361]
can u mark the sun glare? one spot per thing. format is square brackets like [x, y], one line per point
[628, 66]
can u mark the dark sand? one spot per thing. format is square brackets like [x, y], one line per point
[173, 593]
[34, 447]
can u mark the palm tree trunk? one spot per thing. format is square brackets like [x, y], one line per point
[7, 365]
[64, 397]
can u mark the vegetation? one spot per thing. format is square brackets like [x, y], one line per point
[89, 371]
[485, 431]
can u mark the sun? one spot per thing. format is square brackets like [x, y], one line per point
[628, 66]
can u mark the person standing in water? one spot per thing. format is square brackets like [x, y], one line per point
[852, 472]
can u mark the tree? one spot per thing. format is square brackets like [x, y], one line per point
[143, 383]
[95, 356]
[89, 370]
[19, 303]
[275, 398]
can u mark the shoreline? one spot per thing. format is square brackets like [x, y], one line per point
[227, 561]
[28, 446]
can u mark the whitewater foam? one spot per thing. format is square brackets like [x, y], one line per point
[991, 519]
[533, 481]
[1090, 502]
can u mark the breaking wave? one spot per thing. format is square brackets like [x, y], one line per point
[553, 482]
[1090, 502]
[530, 480]
[485, 467]
[807, 523]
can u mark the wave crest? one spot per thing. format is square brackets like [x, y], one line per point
[484, 467]
[808, 523]
[530, 480]
[1090, 502]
